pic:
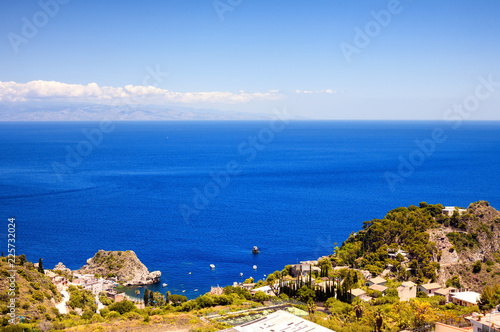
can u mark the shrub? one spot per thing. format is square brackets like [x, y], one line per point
[123, 307]
[104, 311]
[476, 268]
[87, 314]
[132, 315]
[113, 314]
[96, 318]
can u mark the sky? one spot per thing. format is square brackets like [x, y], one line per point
[408, 59]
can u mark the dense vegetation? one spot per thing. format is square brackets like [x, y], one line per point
[402, 228]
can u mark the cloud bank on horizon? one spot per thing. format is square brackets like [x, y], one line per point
[132, 94]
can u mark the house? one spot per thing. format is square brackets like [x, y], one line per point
[446, 292]
[95, 287]
[60, 282]
[376, 281]
[247, 286]
[216, 290]
[429, 289]
[466, 299]
[490, 322]
[279, 321]
[265, 289]
[449, 210]
[113, 295]
[359, 293]
[379, 288]
[407, 291]
[300, 269]
[394, 255]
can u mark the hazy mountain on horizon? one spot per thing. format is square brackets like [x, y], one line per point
[97, 112]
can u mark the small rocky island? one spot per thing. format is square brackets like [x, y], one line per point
[124, 265]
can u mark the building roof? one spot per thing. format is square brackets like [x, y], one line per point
[431, 286]
[379, 288]
[261, 289]
[357, 292]
[471, 297]
[408, 284]
[444, 291]
[487, 319]
[377, 280]
[279, 321]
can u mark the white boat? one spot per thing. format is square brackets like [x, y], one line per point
[183, 291]
[241, 274]
[164, 285]
[212, 266]
[255, 267]
[196, 290]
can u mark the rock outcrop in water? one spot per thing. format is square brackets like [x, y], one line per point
[124, 265]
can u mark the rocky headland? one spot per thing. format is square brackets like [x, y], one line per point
[123, 265]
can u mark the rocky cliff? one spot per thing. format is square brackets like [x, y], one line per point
[476, 239]
[124, 265]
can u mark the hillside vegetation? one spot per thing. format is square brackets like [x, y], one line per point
[35, 295]
[430, 238]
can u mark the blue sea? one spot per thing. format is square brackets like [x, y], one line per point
[184, 195]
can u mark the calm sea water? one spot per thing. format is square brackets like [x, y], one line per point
[297, 191]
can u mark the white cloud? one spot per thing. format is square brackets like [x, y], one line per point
[327, 91]
[130, 94]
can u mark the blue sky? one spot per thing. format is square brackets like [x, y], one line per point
[263, 54]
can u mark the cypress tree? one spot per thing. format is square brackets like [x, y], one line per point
[151, 298]
[146, 297]
[40, 267]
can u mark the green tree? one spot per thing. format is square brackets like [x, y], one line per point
[476, 268]
[146, 297]
[151, 300]
[40, 266]
[261, 296]
[305, 293]
[490, 297]
[357, 306]
[454, 282]
[379, 320]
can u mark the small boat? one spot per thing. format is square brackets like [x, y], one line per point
[164, 285]
[196, 290]
[212, 266]
[255, 267]
[241, 274]
[189, 272]
[255, 250]
[183, 291]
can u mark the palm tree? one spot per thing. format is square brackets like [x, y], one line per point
[379, 320]
[357, 306]
[311, 307]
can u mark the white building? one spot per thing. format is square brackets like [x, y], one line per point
[277, 322]
[466, 299]
[448, 210]
[407, 291]
[490, 322]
